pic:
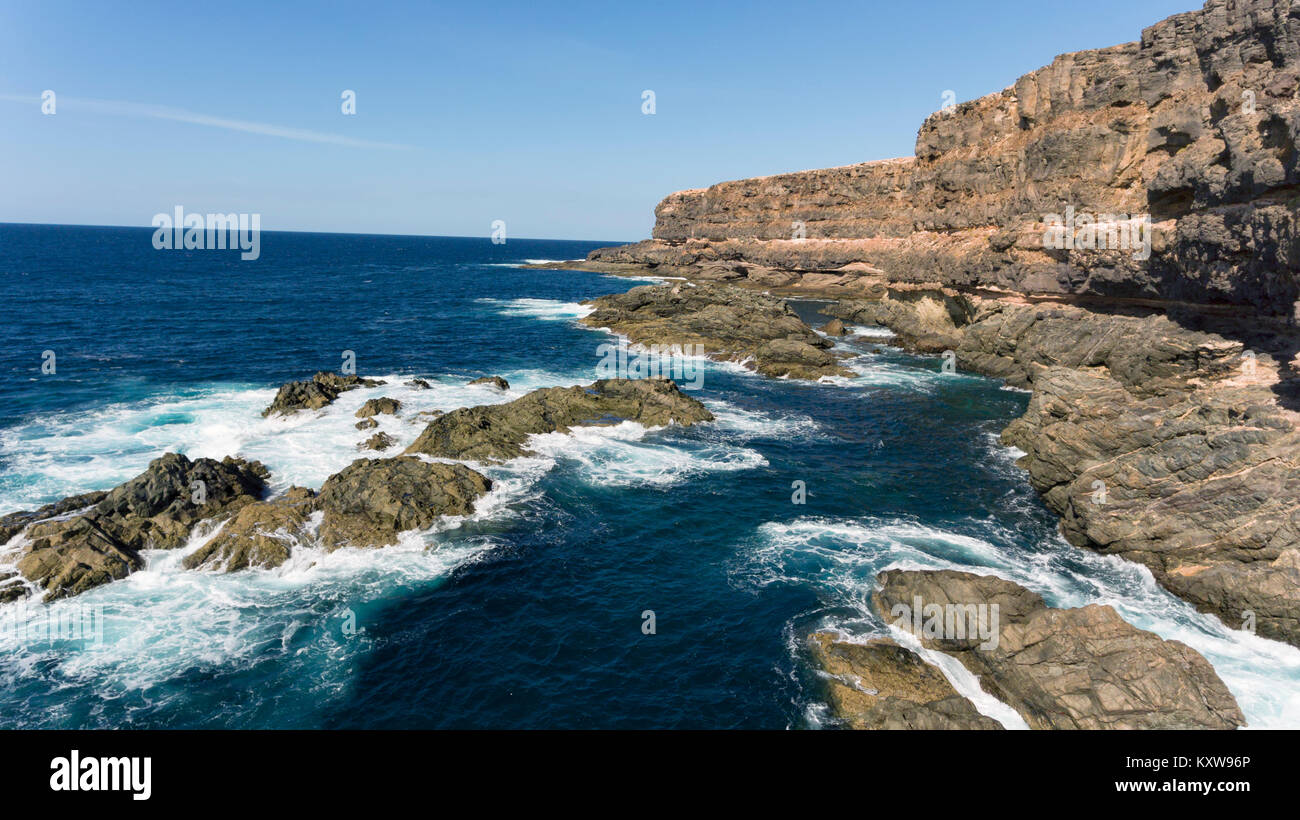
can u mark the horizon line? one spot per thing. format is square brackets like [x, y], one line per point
[336, 233]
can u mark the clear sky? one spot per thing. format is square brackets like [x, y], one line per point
[529, 112]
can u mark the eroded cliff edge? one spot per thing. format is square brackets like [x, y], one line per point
[1163, 424]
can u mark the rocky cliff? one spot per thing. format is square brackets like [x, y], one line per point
[1170, 162]
[1116, 231]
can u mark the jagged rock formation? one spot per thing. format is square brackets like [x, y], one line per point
[496, 381]
[881, 685]
[322, 389]
[499, 432]
[727, 323]
[1080, 668]
[369, 503]
[157, 509]
[1194, 125]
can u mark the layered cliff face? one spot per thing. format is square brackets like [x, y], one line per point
[1194, 127]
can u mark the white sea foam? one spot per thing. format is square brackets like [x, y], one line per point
[550, 309]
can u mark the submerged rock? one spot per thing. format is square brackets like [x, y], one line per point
[496, 381]
[730, 323]
[881, 685]
[1083, 668]
[155, 510]
[366, 424]
[376, 407]
[418, 384]
[498, 432]
[323, 388]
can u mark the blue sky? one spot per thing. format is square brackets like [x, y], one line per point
[471, 112]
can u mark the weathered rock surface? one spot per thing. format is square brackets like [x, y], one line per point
[418, 384]
[367, 504]
[881, 685]
[366, 424]
[834, 328]
[378, 407]
[321, 390]
[1168, 446]
[1082, 668]
[499, 432]
[496, 381]
[1194, 125]
[372, 500]
[730, 323]
[259, 535]
[155, 510]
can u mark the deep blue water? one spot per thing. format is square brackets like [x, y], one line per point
[528, 614]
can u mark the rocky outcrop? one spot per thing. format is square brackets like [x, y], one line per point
[259, 535]
[496, 381]
[1194, 125]
[500, 432]
[881, 685]
[379, 441]
[367, 504]
[1172, 447]
[371, 501]
[322, 390]
[65, 556]
[728, 323]
[378, 407]
[1082, 668]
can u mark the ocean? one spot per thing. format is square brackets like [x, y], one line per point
[529, 613]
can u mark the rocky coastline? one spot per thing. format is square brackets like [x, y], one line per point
[1115, 232]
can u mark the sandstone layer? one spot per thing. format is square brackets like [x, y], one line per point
[1193, 125]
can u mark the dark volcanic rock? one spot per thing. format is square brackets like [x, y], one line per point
[881, 685]
[498, 432]
[323, 389]
[372, 500]
[495, 381]
[730, 323]
[418, 384]
[1079, 668]
[155, 510]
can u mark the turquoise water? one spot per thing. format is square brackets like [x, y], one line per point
[529, 613]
